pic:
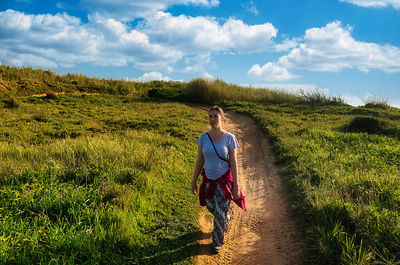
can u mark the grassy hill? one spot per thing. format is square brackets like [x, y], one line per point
[100, 174]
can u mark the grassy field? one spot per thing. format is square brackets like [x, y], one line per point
[341, 166]
[103, 178]
[97, 179]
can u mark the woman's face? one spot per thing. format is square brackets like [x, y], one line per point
[215, 119]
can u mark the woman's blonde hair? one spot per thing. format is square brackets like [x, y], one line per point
[217, 108]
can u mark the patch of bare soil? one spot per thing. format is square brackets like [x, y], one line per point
[265, 233]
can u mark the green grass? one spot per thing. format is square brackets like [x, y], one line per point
[217, 91]
[344, 184]
[98, 180]
[103, 179]
[27, 81]
[376, 102]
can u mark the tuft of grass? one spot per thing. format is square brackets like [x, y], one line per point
[379, 102]
[51, 95]
[12, 103]
[317, 98]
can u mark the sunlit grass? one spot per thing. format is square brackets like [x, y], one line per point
[115, 193]
[217, 91]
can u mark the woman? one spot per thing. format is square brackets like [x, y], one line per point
[217, 150]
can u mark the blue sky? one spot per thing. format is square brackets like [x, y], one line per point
[347, 48]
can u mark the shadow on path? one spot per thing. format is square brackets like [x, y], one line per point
[172, 251]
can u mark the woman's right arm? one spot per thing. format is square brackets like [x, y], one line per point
[197, 169]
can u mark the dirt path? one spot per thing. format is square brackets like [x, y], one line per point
[264, 234]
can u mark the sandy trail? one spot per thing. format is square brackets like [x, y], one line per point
[265, 233]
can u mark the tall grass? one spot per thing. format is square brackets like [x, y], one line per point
[93, 199]
[376, 102]
[217, 91]
[317, 98]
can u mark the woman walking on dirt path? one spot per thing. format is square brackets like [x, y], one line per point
[217, 153]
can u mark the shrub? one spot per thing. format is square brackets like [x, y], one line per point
[376, 102]
[365, 124]
[41, 118]
[51, 95]
[171, 93]
[373, 126]
[317, 98]
[12, 103]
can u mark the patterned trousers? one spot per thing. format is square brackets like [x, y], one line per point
[219, 207]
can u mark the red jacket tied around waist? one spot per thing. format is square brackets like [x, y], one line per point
[222, 182]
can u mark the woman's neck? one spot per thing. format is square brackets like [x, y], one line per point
[217, 130]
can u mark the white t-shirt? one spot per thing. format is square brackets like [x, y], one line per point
[213, 165]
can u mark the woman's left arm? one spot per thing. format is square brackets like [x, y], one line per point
[234, 168]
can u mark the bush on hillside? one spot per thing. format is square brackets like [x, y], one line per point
[365, 124]
[319, 99]
[51, 95]
[171, 90]
[376, 102]
[373, 125]
[12, 103]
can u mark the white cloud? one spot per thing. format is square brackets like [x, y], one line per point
[44, 40]
[127, 10]
[248, 38]
[395, 103]
[153, 76]
[61, 40]
[330, 49]
[286, 45]
[197, 63]
[271, 72]
[289, 88]
[120, 43]
[207, 76]
[352, 99]
[250, 7]
[205, 34]
[156, 44]
[361, 100]
[374, 3]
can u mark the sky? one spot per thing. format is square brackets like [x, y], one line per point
[346, 48]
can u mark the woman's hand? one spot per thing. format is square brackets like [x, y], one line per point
[194, 187]
[235, 192]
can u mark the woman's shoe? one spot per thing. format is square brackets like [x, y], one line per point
[217, 249]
